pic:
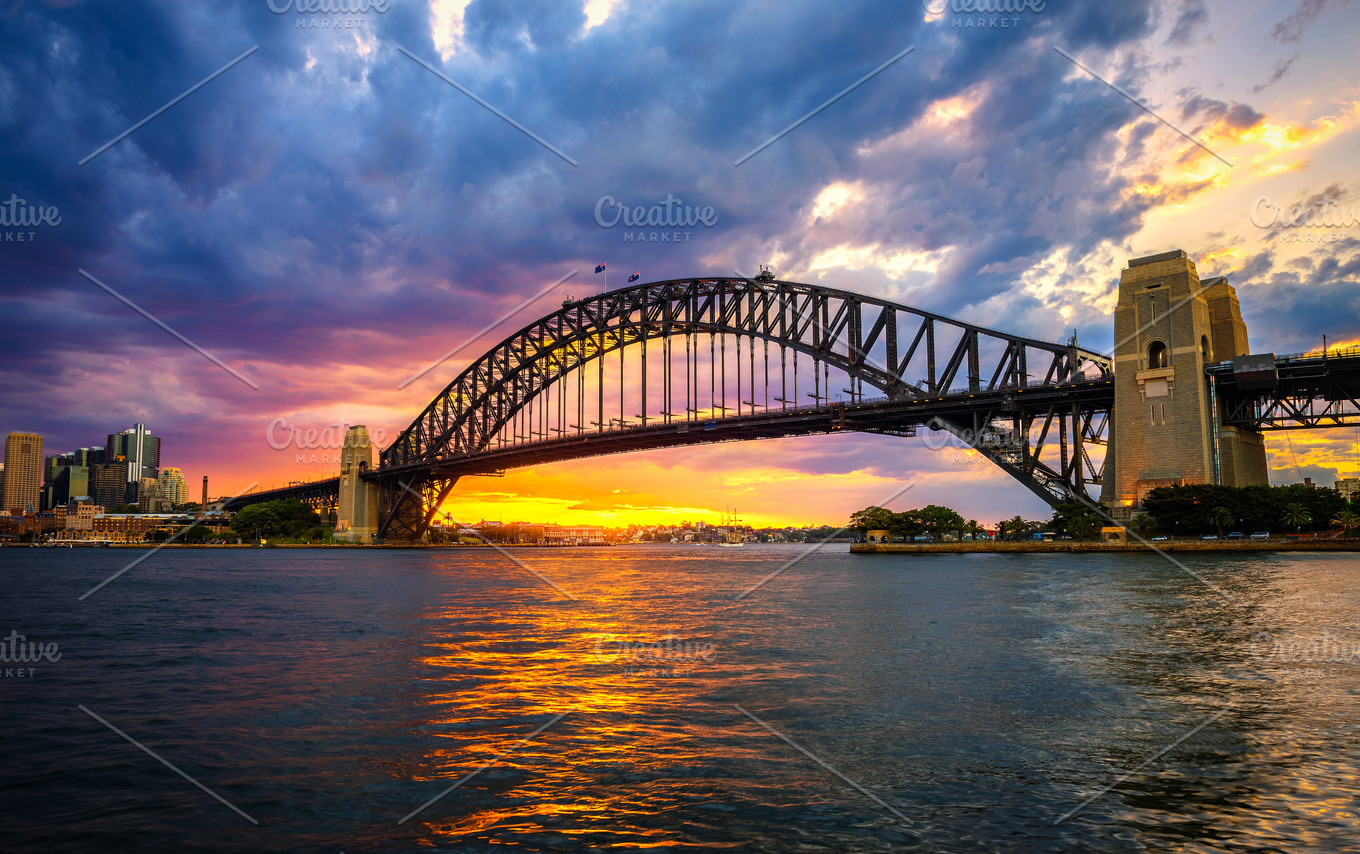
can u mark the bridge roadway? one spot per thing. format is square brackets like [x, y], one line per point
[1304, 390]
[970, 410]
[1294, 391]
[879, 415]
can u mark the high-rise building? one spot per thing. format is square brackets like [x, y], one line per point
[68, 484]
[88, 456]
[108, 483]
[23, 472]
[172, 487]
[141, 451]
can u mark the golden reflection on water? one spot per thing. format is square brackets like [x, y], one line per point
[648, 655]
[637, 657]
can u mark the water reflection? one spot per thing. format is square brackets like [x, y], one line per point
[1264, 770]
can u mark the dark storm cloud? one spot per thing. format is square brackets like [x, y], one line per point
[327, 191]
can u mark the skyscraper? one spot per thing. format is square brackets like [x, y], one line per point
[173, 489]
[108, 484]
[23, 471]
[141, 450]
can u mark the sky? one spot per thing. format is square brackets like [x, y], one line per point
[326, 217]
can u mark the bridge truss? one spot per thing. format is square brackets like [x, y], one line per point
[1306, 390]
[722, 359]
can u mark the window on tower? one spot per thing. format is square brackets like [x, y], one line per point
[1156, 355]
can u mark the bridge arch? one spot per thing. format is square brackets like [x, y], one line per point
[906, 354]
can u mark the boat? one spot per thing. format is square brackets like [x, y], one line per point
[732, 538]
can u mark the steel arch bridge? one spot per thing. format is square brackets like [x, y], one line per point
[1033, 408]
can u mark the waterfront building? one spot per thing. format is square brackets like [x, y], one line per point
[23, 472]
[80, 515]
[573, 535]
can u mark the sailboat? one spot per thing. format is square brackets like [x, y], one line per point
[732, 538]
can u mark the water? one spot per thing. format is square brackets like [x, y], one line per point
[973, 700]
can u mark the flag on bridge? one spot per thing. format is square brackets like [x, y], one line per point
[635, 276]
[600, 269]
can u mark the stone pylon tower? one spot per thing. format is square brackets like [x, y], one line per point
[357, 510]
[1168, 426]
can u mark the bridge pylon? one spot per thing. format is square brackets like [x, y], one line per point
[1168, 421]
[357, 508]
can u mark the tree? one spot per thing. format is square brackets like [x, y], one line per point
[872, 518]
[1142, 523]
[275, 519]
[1082, 525]
[1346, 520]
[196, 534]
[1296, 515]
[1221, 517]
[1016, 528]
[937, 520]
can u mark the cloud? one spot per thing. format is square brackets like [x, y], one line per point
[1281, 69]
[328, 216]
[1291, 28]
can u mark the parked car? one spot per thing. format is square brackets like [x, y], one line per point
[1236, 535]
[1209, 537]
[1160, 539]
[1261, 535]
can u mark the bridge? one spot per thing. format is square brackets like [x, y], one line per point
[705, 360]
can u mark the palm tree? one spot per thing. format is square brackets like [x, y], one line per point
[1346, 520]
[1296, 515]
[1219, 516]
[1142, 523]
[1083, 524]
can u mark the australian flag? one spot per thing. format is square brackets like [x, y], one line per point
[635, 276]
[600, 268]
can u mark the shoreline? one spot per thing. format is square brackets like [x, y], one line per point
[1074, 546]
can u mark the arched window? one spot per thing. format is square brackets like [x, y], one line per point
[1156, 355]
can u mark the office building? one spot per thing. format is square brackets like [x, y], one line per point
[108, 483]
[23, 472]
[142, 453]
[68, 483]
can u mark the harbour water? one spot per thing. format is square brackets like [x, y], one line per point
[405, 700]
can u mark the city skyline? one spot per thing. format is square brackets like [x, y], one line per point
[983, 174]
